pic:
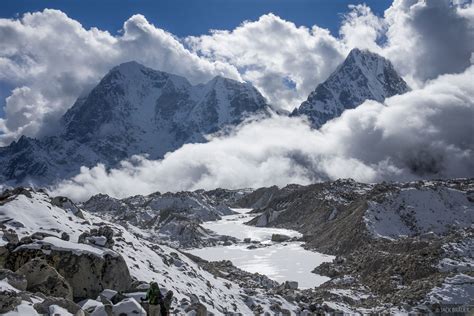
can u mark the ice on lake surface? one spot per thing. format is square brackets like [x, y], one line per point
[281, 262]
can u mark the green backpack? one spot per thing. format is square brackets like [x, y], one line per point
[153, 295]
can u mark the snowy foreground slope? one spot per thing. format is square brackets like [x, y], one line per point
[398, 247]
[25, 212]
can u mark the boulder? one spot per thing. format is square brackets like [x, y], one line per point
[88, 269]
[291, 285]
[104, 237]
[41, 235]
[90, 306]
[108, 293]
[58, 310]
[51, 303]
[66, 204]
[43, 278]
[198, 308]
[10, 236]
[8, 301]
[128, 306]
[65, 236]
[280, 238]
[16, 280]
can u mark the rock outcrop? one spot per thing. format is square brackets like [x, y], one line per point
[17, 280]
[43, 278]
[87, 269]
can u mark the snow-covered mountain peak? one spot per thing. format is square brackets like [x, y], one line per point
[132, 110]
[135, 74]
[128, 67]
[363, 75]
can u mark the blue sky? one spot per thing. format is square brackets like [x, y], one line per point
[194, 17]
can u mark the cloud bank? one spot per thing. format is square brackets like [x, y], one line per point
[425, 133]
[49, 58]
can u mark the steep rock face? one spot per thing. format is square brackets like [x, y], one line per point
[132, 110]
[362, 76]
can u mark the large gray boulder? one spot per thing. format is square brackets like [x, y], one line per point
[88, 269]
[44, 278]
[280, 238]
[16, 280]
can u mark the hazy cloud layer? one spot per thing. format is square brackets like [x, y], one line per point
[425, 133]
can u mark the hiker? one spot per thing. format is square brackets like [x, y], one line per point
[166, 305]
[154, 298]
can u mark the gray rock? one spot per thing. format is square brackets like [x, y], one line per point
[65, 236]
[10, 236]
[280, 238]
[104, 237]
[70, 306]
[291, 285]
[8, 301]
[87, 273]
[198, 308]
[16, 280]
[41, 277]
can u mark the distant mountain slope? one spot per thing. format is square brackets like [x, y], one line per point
[395, 243]
[362, 76]
[133, 110]
[338, 216]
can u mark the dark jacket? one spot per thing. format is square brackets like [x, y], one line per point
[153, 295]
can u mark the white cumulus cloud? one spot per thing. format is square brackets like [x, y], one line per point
[51, 59]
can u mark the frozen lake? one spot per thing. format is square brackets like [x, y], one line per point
[279, 261]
